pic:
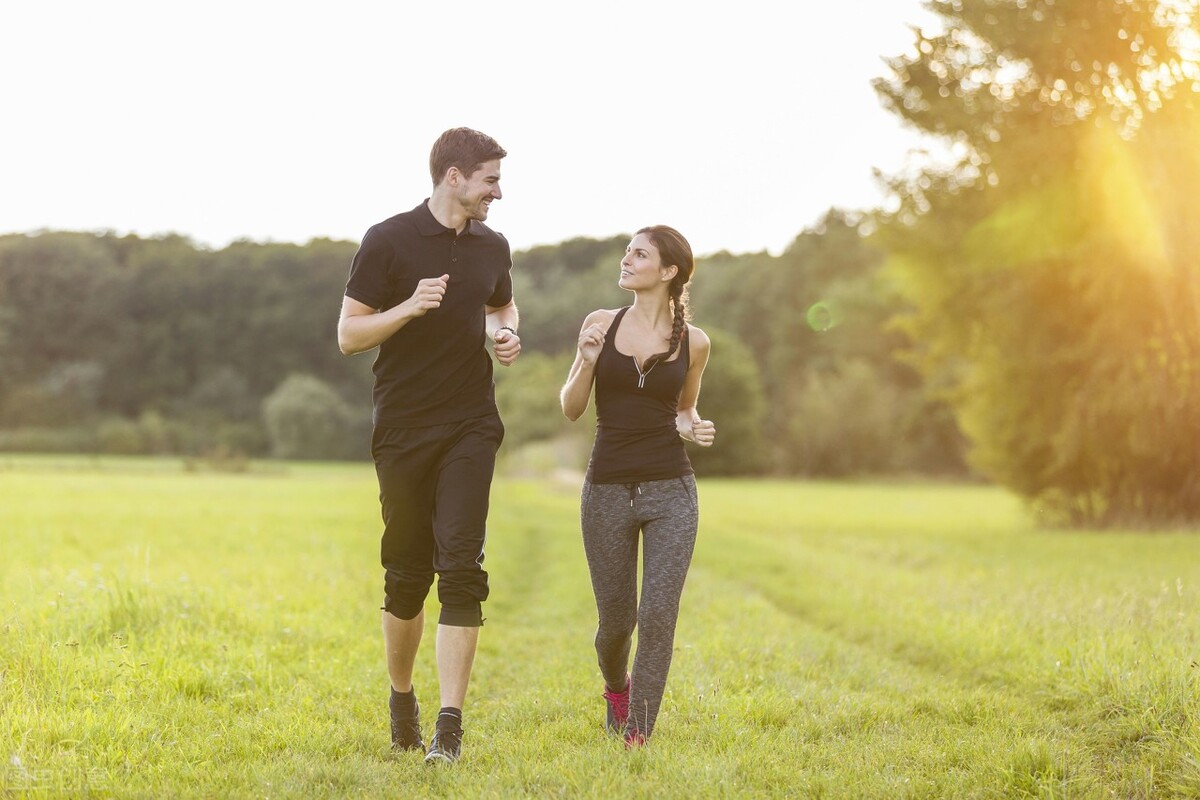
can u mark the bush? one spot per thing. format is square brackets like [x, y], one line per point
[121, 437]
[307, 419]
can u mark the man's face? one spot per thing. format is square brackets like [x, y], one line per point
[477, 192]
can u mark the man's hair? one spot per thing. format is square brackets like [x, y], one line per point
[464, 148]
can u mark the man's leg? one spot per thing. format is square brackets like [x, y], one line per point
[455, 656]
[403, 461]
[401, 638]
[464, 482]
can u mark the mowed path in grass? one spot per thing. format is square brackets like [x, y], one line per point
[166, 633]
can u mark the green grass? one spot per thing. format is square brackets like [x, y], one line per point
[166, 631]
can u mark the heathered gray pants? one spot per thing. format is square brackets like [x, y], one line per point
[666, 515]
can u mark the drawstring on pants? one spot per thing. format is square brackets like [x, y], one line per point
[634, 490]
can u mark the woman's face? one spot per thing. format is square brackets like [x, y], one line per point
[642, 267]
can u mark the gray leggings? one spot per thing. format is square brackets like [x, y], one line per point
[612, 515]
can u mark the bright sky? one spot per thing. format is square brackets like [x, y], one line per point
[737, 123]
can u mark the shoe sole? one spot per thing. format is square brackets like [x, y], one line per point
[439, 758]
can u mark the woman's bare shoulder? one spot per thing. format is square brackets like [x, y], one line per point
[602, 317]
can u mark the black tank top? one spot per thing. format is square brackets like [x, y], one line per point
[636, 437]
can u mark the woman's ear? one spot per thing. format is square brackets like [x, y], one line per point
[669, 273]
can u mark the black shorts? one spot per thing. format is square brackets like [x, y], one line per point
[434, 484]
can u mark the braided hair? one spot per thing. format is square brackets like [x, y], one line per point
[673, 250]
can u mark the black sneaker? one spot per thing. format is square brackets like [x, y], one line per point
[445, 748]
[406, 725]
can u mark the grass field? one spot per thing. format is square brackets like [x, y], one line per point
[174, 633]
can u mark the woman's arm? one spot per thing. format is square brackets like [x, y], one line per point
[578, 389]
[687, 418]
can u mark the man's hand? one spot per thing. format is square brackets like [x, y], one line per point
[506, 345]
[428, 296]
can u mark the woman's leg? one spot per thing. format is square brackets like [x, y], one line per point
[610, 541]
[668, 513]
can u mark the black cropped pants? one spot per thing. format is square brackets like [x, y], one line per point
[434, 484]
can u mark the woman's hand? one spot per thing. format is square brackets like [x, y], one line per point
[591, 340]
[701, 431]
[704, 432]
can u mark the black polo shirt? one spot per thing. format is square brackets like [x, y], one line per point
[436, 369]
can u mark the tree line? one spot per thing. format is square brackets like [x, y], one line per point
[124, 344]
[1027, 310]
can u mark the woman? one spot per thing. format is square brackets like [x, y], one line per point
[645, 361]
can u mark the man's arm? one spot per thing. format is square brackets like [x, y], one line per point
[361, 328]
[501, 323]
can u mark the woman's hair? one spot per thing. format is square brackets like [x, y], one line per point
[673, 250]
[464, 148]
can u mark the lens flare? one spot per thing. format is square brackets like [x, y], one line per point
[823, 315]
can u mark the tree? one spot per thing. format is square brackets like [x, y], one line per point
[731, 396]
[527, 395]
[561, 284]
[810, 318]
[1051, 264]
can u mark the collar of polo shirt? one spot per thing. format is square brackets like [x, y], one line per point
[428, 225]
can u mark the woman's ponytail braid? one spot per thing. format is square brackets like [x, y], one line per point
[674, 249]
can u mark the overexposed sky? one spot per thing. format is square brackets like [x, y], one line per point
[737, 123]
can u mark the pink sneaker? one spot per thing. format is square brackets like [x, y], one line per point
[618, 708]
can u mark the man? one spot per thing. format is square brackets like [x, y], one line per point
[428, 287]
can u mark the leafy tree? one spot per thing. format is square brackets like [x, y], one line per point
[804, 316]
[731, 396]
[556, 286]
[1051, 264]
[47, 287]
[527, 395]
